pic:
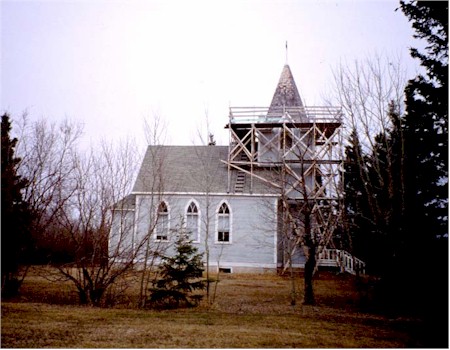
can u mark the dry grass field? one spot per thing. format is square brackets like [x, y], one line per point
[251, 311]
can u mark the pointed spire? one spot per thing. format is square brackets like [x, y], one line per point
[286, 94]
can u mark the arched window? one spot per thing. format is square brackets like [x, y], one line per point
[162, 225]
[192, 221]
[223, 224]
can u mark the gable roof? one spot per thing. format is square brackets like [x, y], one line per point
[286, 95]
[190, 169]
[182, 169]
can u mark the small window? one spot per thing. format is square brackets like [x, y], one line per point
[162, 226]
[225, 269]
[192, 221]
[224, 236]
[286, 141]
[192, 209]
[224, 209]
[223, 224]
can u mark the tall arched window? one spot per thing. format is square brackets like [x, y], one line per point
[223, 224]
[162, 225]
[192, 221]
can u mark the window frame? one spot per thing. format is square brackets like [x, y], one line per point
[195, 235]
[221, 215]
[167, 216]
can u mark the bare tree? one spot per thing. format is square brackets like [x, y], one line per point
[371, 93]
[364, 90]
[101, 182]
[82, 201]
[209, 171]
[311, 192]
[47, 151]
[154, 178]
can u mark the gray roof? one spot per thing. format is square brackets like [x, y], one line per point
[191, 169]
[286, 94]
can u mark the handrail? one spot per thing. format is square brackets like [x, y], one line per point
[241, 115]
[343, 259]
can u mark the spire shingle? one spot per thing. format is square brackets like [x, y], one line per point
[286, 95]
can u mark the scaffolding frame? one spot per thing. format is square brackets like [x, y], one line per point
[302, 144]
[318, 135]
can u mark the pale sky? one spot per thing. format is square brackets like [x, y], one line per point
[110, 64]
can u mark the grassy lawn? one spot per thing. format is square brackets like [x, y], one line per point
[251, 311]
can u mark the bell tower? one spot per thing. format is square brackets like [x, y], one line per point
[296, 150]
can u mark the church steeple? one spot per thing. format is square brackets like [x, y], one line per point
[286, 95]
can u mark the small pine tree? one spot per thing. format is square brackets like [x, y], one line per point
[180, 276]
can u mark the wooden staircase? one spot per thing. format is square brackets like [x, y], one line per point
[336, 258]
[343, 260]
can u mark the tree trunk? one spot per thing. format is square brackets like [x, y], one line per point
[83, 297]
[292, 275]
[310, 263]
[96, 296]
[10, 286]
[309, 272]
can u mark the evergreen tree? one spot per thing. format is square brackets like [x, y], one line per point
[427, 116]
[390, 231]
[16, 215]
[426, 149]
[180, 277]
[374, 195]
[357, 209]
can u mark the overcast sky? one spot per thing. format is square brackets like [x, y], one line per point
[110, 64]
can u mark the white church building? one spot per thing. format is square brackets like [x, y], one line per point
[230, 198]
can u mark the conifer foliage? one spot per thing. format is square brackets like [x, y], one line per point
[397, 184]
[397, 190]
[426, 150]
[375, 196]
[426, 127]
[16, 215]
[180, 277]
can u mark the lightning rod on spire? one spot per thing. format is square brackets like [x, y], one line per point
[286, 52]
